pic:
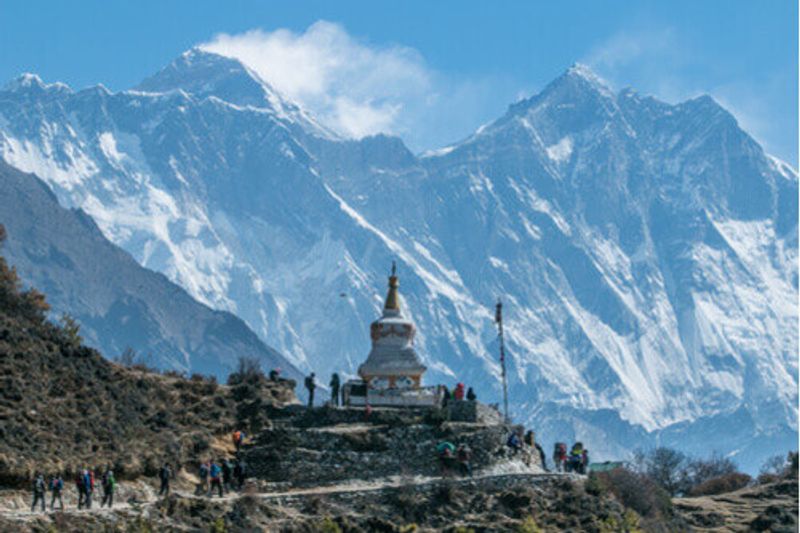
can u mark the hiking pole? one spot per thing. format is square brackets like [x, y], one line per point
[498, 318]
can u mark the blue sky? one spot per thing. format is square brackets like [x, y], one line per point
[431, 71]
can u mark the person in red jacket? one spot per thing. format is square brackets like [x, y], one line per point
[458, 394]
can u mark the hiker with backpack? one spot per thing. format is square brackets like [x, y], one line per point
[463, 456]
[204, 470]
[335, 389]
[38, 491]
[311, 386]
[81, 489]
[165, 474]
[471, 396]
[216, 478]
[239, 473]
[514, 443]
[238, 439]
[560, 457]
[227, 474]
[458, 393]
[88, 487]
[56, 487]
[109, 486]
[578, 459]
[446, 452]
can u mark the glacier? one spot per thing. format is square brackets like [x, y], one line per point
[646, 252]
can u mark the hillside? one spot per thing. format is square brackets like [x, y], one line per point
[64, 406]
[119, 304]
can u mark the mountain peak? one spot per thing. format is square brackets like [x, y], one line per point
[27, 81]
[580, 74]
[203, 73]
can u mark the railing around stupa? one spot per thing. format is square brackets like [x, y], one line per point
[356, 393]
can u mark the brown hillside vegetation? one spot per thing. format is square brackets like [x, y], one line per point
[64, 406]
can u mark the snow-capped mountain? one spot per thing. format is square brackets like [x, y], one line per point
[646, 252]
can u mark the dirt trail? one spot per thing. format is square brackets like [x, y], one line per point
[145, 498]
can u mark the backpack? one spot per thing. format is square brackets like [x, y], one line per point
[214, 471]
[560, 450]
[38, 484]
[56, 484]
[203, 471]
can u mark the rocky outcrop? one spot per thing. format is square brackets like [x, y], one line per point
[333, 445]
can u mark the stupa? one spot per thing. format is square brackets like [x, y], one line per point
[392, 363]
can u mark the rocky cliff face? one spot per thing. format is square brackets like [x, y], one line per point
[646, 252]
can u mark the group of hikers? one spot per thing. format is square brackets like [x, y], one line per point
[84, 484]
[454, 458]
[520, 442]
[577, 460]
[223, 476]
[459, 393]
[335, 385]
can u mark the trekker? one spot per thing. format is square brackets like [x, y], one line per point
[560, 457]
[514, 443]
[56, 487]
[471, 395]
[463, 456]
[227, 474]
[88, 487]
[216, 479]
[446, 453]
[165, 474]
[204, 469]
[109, 486]
[81, 489]
[238, 439]
[239, 473]
[274, 374]
[335, 389]
[445, 395]
[578, 458]
[311, 386]
[530, 438]
[458, 393]
[39, 487]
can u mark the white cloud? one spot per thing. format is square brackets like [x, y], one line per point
[352, 86]
[360, 88]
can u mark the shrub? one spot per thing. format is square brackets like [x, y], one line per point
[529, 525]
[666, 467]
[636, 491]
[700, 471]
[248, 371]
[721, 484]
[219, 525]
[328, 526]
[594, 485]
[69, 330]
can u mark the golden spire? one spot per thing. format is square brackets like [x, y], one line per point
[392, 299]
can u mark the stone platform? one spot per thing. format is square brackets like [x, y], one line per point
[328, 445]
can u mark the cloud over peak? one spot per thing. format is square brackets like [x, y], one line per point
[353, 87]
